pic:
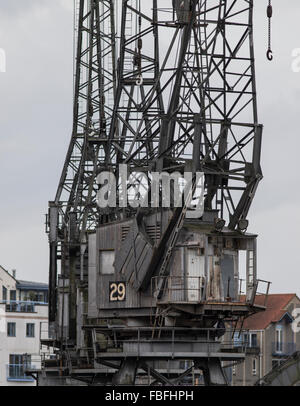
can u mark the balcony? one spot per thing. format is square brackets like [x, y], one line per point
[246, 342]
[283, 349]
[17, 373]
[252, 349]
[21, 306]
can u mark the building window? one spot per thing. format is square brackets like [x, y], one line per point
[253, 340]
[4, 294]
[17, 368]
[250, 340]
[11, 329]
[13, 295]
[254, 366]
[279, 340]
[107, 259]
[238, 339]
[29, 330]
[39, 297]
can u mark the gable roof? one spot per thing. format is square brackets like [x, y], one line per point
[8, 273]
[275, 311]
[25, 285]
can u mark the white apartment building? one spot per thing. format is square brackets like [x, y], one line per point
[23, 321]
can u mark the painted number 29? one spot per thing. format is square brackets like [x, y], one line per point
[117, 292]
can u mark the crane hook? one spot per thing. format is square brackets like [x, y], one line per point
[269, 15]
[270, 54]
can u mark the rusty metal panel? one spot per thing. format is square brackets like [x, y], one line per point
[228, 276]
[195, 271]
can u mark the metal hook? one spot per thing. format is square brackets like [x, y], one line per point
[270, 54]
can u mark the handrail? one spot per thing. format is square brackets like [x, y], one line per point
[173, 335]
[179, 288]
[22, 301]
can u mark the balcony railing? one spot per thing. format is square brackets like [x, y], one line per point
[283, 349]
[17, 373]
[251, 348]
[247, 342]
[21, 306]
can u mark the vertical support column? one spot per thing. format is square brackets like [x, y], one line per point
[127, 373]
[257, 150]
[197, 146]
[53, 240]
[251, 278]
[212, 372]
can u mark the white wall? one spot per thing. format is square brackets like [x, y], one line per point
[7, 281]
[20, 344]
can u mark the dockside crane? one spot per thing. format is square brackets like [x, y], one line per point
[160, 87]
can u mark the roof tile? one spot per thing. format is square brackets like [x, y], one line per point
[276, 308]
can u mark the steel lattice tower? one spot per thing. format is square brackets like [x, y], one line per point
[74, 210]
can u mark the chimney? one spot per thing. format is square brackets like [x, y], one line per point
[14, 272]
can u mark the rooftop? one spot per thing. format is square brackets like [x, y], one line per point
[276, 309]
[28, 285]
[6, 271]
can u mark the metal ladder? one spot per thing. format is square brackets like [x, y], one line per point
[173, 239]
[161, 313]
[159, 319]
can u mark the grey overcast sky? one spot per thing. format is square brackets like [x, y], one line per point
[35, 127]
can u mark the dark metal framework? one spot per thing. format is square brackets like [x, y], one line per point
[159, 86]
[192, 98]
[74, 210]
